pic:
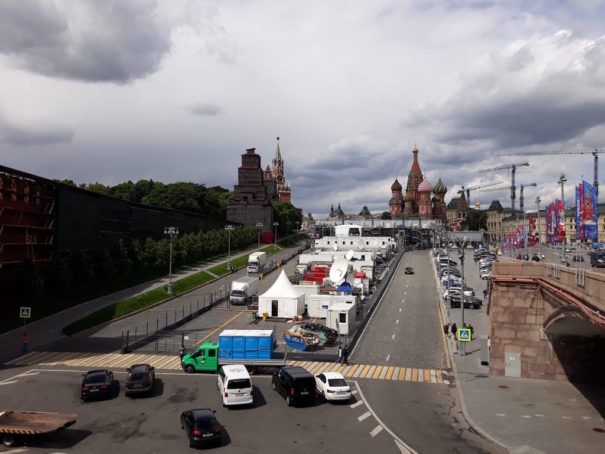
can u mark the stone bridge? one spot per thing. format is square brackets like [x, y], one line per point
[547, 321]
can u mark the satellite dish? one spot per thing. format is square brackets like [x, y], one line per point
[338, 271]
[350, 254]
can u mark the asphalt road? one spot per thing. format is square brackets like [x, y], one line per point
[405, 329]
[151, 424]
[427, 417]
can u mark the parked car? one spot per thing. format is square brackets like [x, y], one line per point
[296, 384]
[409, 270]
[332, 386]
[235, 385]
[140, 380]
[578, 258]
[98, 384]
[456, 290]
[469, 302]
[201, 427]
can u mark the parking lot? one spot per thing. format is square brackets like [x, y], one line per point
[151, 424]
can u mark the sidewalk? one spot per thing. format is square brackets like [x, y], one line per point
[522, 415]
[48, 329]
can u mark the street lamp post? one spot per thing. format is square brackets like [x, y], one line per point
[229, 228]
[275, 224]
[562, 181]
[538, 200]
[259, 226]
[170, 231]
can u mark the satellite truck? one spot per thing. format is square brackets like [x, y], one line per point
[257, 262]
[19, 426]
[243, 290]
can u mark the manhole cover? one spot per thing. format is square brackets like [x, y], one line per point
[598, 429]
[503, 386]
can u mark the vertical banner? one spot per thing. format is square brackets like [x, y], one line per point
[579, 224]
[555, 223]
[561, 215]
[548, 224]
[532, 231]
[588, 216]
[524, 236]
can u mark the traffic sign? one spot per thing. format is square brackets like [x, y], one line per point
[464, 335]
[25, 312]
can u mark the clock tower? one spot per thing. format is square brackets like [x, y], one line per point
[277, 169]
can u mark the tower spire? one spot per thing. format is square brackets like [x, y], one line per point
[277, 152]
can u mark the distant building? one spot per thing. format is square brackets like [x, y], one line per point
[252, 195]
[284, 191]
[417, 202]
[457, 211]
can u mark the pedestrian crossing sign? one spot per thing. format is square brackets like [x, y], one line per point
[464, 335]
[25, 312]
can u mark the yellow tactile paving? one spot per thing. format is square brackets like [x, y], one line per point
[352, 370]
[390, 373]
[377, 372]
[172, 362]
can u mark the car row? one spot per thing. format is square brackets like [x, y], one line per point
[100, 383]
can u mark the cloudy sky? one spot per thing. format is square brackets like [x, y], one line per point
[176, 91]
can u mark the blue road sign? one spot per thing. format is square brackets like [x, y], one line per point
[464, 335]
[25, 312]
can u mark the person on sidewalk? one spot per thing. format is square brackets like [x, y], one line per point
[446, 329]
[484, 294]
[454, 331]
[25, 340]
[339, 359]
[345, 355]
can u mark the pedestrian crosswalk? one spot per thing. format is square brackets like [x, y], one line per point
[172, 362]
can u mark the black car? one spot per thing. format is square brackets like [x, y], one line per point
[469, 301]
[296, 384]
[409, 270]
[201, 427]
[578, 258]
[140, 380]
[98, 384]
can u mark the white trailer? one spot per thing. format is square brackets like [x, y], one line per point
[342, 317]
[257, 262]
[243, 290]
[318, 305]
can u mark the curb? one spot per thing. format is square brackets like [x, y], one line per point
[465, 412]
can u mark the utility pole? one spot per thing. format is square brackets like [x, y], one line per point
[229, 228]
[259, 226]
[170, 231]
[539, 234]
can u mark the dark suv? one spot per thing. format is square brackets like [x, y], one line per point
[296, 384]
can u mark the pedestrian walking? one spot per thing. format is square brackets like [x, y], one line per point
[446, 329]
[25, 340]
[472, 330]
[454, 330]
[339, 359]
[345, 355]
[484, 294]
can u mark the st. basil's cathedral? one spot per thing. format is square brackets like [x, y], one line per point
[417, 202]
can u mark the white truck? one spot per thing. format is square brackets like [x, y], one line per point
[243, 290]
[257, 262]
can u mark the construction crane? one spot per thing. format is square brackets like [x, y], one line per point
[513, 188]
[474, 188]
[593, 151]
[521, 186]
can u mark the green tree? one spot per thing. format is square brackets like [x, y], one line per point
[385, 215]
[287, 215]
[57, 277]
[123, 190]
[476, 220]
[99, 188]
[121, 261]
[80, 268]
[30, 282]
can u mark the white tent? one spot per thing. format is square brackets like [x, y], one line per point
[282, 299]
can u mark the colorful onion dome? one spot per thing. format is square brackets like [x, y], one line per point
[440, 188]
[396, 186]
[425, 186]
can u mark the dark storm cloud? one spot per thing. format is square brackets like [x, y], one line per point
[547, 91]
[105, 41]
[32, 135]
[205, 110]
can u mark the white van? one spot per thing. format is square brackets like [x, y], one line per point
[235, 385]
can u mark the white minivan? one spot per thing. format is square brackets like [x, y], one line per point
[235, 385]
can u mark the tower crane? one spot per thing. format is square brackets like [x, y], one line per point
[521, 186]
[513, 168]
[473, 188]
[593, 151]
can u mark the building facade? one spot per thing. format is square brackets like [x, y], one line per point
[284, 192]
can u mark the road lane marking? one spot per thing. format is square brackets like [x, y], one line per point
[500, 414]
[445, 348]
[9, 382]
[363, 417]
[358, 371]
[414, 374]
[218, 328]
[539, 415]
[376, 430]
[356, 404]
[389, 374]
[383, 373]
[402, 374]
[365, 371]
[397, 322]
[377, 372]
[399, 309]
[352, 370]
[396, 373]
[433, 376]
[427, 375]
[586, 417]
[354, 392]
[525, 416]
[29, 373]
[345, 370]
[393, 337]
[388, 357]
[402, 445]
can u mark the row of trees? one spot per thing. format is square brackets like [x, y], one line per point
[193, 197]
[79, 277]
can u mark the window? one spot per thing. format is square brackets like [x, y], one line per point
[211, 353]
[342, 317]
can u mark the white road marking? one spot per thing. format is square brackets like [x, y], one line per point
[388, 357]
[526, 416]
[354, 391]
[357, 404]
[397, 321]
[402, 445]
[539, 415]
[566, 417]
[365, 416]
[16, 451]
[500, 414]
[586, 417]
[28, 373]
[393, 336]
[376, 430]
[399, 309]
[9, 382]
